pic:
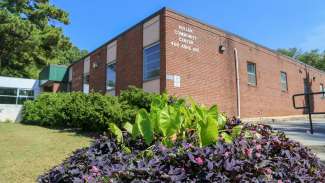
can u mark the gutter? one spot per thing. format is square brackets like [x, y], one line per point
[237, 82]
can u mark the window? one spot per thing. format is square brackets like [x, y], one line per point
[151, 62]
[283, 81]
[322, 89]
[15, 95]
[251, 72]
[86, 83]
[111, 77]
[86, 78]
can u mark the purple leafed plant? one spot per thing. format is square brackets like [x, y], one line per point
[261, 155]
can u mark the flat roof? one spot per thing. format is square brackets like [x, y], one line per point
[199, 21]
[14, 82]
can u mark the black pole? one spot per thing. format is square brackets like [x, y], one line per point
[309, 114]
[308, 101]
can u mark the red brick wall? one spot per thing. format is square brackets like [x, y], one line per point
[77, 74]
[129, 59]
[97, 75]
[209, 77]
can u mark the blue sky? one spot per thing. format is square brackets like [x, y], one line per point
[273, 23]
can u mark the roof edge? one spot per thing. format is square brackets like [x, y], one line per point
[199, 21]
[120, 34]
[244, 39]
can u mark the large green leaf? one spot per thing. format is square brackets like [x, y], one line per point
[213, 111]
[128, 127]
[227, 137]
[170, 121]
[207, 131]
[221, 121]
[116, 131]
[236, 131]
[144, 126]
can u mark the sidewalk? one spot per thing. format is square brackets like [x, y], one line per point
[299, 130]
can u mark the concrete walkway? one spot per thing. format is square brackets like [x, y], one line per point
[299, 130]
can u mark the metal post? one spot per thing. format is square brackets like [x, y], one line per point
[309, 114]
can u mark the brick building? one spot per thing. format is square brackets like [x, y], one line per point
[172, 52]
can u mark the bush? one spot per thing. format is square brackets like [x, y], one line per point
[90, 112]
[264, 156]
[75, 110]
[137, 98]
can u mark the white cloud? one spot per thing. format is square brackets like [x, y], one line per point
[315, 39]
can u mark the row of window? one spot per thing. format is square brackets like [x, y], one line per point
[151, 66]
[15, 95]
[251, 75]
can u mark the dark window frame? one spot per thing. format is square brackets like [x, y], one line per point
[284, 82]
[114, 62]
[144, 77]
[249, 73]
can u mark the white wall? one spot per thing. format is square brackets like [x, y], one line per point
[23, 83]
[10, 112]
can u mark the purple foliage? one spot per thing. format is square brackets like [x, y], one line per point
[266, 157]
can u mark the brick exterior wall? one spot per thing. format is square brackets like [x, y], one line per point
[97, 74]
[77, 76]
[207, 75]
[210, 77]
[129, 59]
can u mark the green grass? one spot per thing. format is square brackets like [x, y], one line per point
[28, 151]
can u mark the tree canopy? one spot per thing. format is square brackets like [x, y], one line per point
[31, 37]
[315, 57]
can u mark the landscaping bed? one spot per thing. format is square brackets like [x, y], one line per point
[175, 140]
[266, 157]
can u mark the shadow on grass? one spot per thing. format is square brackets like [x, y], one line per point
[73, 131]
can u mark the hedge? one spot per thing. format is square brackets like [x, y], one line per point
[90, 112]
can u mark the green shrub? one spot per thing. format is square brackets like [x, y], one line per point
[136, 98]
[90, 112]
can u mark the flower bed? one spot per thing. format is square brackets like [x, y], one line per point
[172, 140]
[265, 156]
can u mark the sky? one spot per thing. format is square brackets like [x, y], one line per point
[273, 23]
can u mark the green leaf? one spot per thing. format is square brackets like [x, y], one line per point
[145, 126]
[208, 131]
[213, 111]
[227, 137]
[169, 121]
[116, 131]
[221, 121]
[128, 127]
[236, 131]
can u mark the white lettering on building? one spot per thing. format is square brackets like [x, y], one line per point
[186, 39]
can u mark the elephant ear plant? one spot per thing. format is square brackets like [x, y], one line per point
[171, 121]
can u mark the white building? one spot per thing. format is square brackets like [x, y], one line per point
[13, 92]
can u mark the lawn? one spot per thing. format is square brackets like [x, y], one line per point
[28, 151]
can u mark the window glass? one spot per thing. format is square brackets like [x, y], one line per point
[86, 78]
[322, 89]
[9, 95]
[283, 81]
[251, 72]
[25, 92]
[151, 62]
[7, 100]
[111, 76]
[8, 91]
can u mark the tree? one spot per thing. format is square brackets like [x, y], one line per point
[314, 57]
[30, 37]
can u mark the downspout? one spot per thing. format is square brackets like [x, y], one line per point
[237, 83]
